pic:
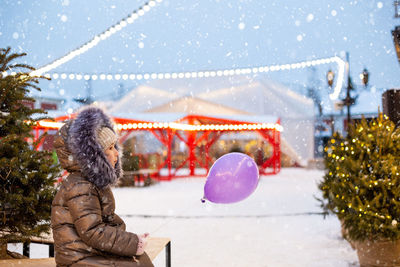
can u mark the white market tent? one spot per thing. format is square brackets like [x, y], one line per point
[235, 96]
[195, 105]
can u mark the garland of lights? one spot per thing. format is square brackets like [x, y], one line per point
[208, 73]
[211, 73]
[179, 126]
[98, 38]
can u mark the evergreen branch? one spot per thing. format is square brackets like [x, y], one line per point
[25, 66]
[5, 178]
[27, 183]
[6, 59]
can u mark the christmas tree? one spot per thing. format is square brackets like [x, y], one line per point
[362, 181]
[26, 176]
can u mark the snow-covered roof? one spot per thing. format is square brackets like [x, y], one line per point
[46, 95]
[245, 93]
[173, 117]
[195, 105]
[51, 114]
[149, 117]
[143, 98]
[367, 102]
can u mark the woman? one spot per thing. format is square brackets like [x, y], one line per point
[86, 230]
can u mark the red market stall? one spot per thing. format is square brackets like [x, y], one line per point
[191, 130]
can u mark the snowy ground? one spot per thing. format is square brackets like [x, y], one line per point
[278, 225]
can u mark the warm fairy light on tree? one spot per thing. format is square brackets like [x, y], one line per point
[361, 183]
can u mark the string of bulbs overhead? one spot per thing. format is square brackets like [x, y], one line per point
[210, 73]
[45, 70]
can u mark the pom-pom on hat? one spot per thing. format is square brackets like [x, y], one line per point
[106, 137]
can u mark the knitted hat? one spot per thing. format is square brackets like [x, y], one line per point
[106, 137]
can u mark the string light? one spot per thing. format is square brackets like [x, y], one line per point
[213, 73]
[50, 124]
[179, 126]
[97, 39]
[200, 74]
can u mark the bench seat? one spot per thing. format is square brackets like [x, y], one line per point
[154, 246]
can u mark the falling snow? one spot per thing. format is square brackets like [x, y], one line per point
[241, 26]
[63, 18]
[176, 37]
[278, 225]
[299, 37]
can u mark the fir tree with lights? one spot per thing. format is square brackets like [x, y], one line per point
[26, 176]
[362, 181]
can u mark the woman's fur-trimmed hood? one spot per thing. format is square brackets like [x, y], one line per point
[87, 151]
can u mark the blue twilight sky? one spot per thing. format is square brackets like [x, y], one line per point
[188, 35]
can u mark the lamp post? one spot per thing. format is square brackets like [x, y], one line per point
[364, 76]
[348, 101]
[330, 76]
[396, 31]
[396, 41]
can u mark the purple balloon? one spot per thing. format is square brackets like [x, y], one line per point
[232, 178]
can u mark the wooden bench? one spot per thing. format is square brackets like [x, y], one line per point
[154, 246]
[44, 240]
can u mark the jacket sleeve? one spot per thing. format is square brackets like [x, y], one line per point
[84, 206]
[119, 222]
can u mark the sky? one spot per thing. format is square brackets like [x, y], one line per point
[187, 35]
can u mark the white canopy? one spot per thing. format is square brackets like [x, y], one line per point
[229, 96]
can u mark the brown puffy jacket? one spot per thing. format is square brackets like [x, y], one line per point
[86, 230]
